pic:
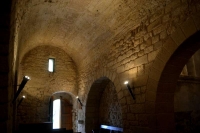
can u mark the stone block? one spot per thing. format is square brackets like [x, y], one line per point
[120, 94]
[141, 70]
[158, 64]
[141, 60]
[125, 76]
[166, 18]
[133, 72]
[178, 36]
[113, 77]
[143, 89]
[164, 55]
[148, 68]
[123, 101]
[148, 49]
[137, 108]
[129, 65]
[129, 53]
[170, 45]
[130, 99]
[126, 92]
[141, 53]
[163, 35]
[150, 96]
[157, 15]
[155, 39]
[148, 42]
[120, 69]
[125, 109]
[152, 55]
[140, 98]
[154, 24]
[146, 36]
[136, 90]
[137, 48]
[189, 27]
[159, 29]
[133, 56]
[196, 19]
[143, 46]
[117, 85]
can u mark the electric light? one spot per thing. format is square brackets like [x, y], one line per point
[27, 77]
[126, 82]
[21, 86]
[129, 89]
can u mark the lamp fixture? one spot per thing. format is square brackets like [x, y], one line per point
[126, 82]
[21, 86]
[79, 101]
[22, 98]
[129, 88]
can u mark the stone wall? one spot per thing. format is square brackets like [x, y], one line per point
[110, 109]
[130, 58]
[187, 105]
[43, 83]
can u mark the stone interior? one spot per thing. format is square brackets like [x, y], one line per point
[97, 45]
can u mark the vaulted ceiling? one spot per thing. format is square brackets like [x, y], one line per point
[78, 26]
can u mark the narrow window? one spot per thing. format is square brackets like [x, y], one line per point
[51, 64]
[56, 114]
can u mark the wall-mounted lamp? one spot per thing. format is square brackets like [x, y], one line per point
[22, 98]
[21, 86]
[79, 101]
[129, 88]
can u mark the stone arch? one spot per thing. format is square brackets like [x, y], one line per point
[165, 71]
[43, 83]
[35, 64]
[94, 100]
[71, 95]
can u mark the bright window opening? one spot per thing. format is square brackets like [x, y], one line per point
[56, 114]
[51, 64]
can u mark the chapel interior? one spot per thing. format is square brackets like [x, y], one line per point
[100, 66]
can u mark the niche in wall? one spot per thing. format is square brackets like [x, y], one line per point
[102, 106]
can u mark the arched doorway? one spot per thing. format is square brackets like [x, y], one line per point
[167, 83]
[102, 107]
[60, 111]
